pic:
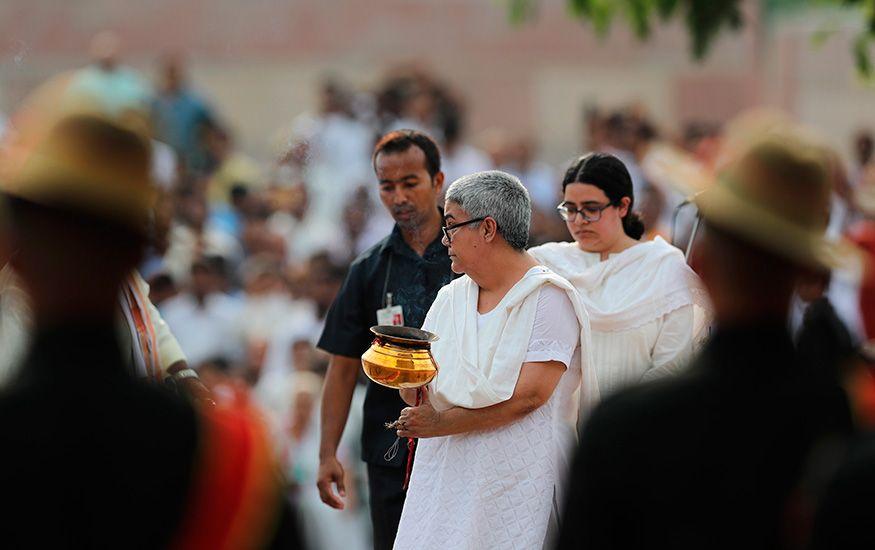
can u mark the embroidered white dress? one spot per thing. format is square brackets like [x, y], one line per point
[496, 489]
[648, 310]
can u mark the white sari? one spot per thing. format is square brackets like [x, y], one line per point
[648, 310]
[498, 488]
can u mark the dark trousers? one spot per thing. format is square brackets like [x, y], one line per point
[387, 500]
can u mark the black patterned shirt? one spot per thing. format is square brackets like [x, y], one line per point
[388, 267]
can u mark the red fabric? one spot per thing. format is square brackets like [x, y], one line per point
[863, 234]
[227, 506]
[411, 446]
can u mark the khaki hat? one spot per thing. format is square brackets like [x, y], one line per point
[67, 151]
[775, 192]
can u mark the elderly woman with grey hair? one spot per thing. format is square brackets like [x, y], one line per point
[498, 421]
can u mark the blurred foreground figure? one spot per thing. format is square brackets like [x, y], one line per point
[846, 516]
[93, 458]
[721, 457]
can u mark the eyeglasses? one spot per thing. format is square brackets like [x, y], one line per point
[447, 228]
[590, 212]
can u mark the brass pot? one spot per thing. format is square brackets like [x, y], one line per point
[400, 357]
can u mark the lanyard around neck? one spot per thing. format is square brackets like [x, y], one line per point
[387, 298]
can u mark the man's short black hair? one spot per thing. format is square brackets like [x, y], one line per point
[399, 141]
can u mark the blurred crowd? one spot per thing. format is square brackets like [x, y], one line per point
[246, 257]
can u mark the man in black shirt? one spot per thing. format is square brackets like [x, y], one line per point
[393, 282]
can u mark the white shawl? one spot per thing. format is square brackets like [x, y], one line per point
[479, 368]
[641, 284]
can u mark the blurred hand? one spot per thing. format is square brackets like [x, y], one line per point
[331, 473]
[197, 391]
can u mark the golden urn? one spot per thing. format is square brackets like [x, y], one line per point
[400, 357]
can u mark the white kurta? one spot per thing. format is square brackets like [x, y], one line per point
[648, 310]
[16, 326]
[498, 489]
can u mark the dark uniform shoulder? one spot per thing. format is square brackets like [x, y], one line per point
[649, 408]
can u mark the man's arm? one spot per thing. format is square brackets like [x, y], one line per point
[191, 385]
[534, 387]
[336, 398]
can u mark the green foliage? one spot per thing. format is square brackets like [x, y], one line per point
[704, 19]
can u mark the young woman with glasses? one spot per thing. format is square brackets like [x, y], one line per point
[647, 308]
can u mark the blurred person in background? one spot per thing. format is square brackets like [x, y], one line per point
[119, 87]
[77, 238]
[206, 321]
[395, 280]
[719, 457]
[325, 527]
[863, 234]
[703, 140]
[620, 141]
[303, 230]
[844, 517]
[652, 207]
[537, 176]
[822, 336]
[863, 148]
[842, 210]
[846, 214]
[266, 297]
[458, 158]
[271, 317]
[364, 225]
[662, 196]
[180, 115]
[337, 147]
[192, 237]
[648, 310]
[230, 217]
[161, 288]
[227, 166]
[594, 131]
[257, 237]
[412, 101]
[325, 280]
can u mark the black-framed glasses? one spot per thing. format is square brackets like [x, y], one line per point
[447, 228]
[590, 212]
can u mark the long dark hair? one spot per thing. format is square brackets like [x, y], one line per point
[610, 175]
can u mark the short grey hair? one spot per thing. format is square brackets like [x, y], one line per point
[500, 196]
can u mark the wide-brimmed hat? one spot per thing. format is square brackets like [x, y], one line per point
[67, 151]
[776, 194]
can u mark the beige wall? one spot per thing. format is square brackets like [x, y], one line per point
[259, 61]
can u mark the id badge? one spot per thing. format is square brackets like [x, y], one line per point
[393, 315]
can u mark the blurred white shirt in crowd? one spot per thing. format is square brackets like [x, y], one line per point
[339, 159]
[307, 236]
[164, 166]
[208, 331]
[186, 246]
[463, 160]
[540, 180]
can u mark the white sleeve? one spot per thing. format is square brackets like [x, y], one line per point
[169, 351]
[674, 344]
[556, 331]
